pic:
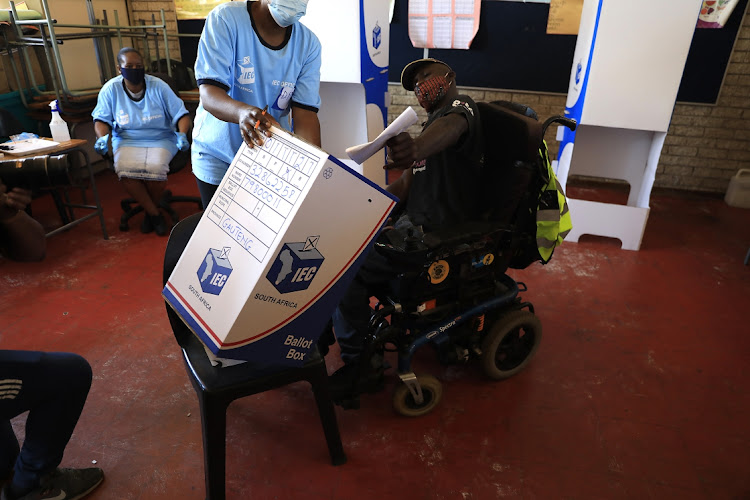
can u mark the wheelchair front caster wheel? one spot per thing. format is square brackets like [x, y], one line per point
[432, 393]
[510, 345]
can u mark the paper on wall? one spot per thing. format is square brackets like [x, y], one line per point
[715, 13]
[564, 17]
[364, 151]
[443, 24]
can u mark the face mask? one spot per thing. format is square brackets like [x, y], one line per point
[431, 91]
[287, 12]
[133, 75]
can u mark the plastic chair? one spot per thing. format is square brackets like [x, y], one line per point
[217, 387]
[9, 125]
[131, 208]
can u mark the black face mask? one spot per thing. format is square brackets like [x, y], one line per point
[133, 75]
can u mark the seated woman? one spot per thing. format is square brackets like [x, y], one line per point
[148, 123]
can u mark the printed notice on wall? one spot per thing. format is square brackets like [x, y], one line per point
[564, 17]
[443, 24]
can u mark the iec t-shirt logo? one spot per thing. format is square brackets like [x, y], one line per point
[245, 71]
[295, 266]
[215, 270]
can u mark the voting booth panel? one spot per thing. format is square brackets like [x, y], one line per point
[354, 76]
[622, 90]
[275, 250]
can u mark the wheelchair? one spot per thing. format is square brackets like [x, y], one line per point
[457, 296]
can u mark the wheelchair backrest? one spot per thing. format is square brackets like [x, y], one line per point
[512, 138]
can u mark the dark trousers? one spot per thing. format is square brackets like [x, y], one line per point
[53, 388]
[207, 192]
[352, 317]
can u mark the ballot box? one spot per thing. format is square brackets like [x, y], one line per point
[275, 250]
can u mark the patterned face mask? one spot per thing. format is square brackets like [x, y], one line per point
[431, 91]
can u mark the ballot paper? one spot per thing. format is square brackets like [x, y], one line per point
[364, 151]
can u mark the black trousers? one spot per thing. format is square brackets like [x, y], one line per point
[53, 388]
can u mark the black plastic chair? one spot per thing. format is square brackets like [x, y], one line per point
[217, 387]
[9, 125]
[131, 208]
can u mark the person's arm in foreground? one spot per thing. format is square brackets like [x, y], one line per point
[21, 237]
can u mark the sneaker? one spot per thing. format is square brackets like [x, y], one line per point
[159, 223]
[62, 484]
[146, 224]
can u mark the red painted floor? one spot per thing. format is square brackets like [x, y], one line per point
[639, 389]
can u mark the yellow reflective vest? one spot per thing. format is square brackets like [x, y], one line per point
[552, 217]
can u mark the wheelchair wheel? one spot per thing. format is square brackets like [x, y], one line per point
[510, 345]
[403, 401]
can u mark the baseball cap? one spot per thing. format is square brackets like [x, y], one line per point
[407, 75]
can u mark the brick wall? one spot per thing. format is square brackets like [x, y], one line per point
[705, 145]
[142, 10]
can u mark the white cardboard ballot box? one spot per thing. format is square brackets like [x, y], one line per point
[275, 251]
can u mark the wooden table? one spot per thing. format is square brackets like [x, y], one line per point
[64, 205]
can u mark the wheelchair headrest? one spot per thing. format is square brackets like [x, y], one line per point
[511, 132]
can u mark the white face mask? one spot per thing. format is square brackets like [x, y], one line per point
[287, 12]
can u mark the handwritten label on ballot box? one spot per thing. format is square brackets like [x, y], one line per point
[275, 251]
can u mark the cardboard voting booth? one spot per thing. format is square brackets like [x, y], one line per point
[354, 37]
[623, 86]
[275, 251]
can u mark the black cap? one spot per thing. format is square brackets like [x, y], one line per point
[407, 75]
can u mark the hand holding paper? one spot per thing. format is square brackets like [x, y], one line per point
[364, 151]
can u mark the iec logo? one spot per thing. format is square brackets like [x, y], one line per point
[215, 270]
[578, 73]
[295, 266]
[376, 36]
[245, 72]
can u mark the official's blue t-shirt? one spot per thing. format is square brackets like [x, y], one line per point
[150, 121]
[233, 57]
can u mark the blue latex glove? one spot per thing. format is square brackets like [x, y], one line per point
[100, 146]
[182, 141]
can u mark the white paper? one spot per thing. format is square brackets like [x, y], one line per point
[28, 146]
[364, 151]
[221, 362]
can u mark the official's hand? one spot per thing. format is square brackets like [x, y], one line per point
[182, 141]
[12, 201]
[252, 135]
[100, 146]
[402, 152]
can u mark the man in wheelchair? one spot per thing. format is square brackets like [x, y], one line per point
[477, 196]
[439, 186]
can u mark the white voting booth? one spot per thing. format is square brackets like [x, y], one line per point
[355, 36]
[627, 68]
